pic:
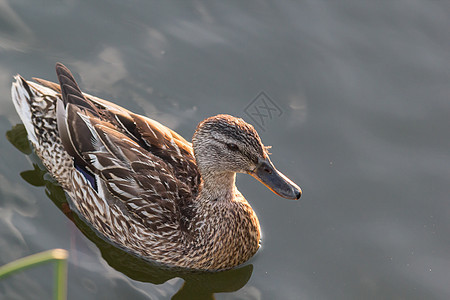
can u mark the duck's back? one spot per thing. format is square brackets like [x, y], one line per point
[151, 135]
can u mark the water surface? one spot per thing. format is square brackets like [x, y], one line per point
[362, 91]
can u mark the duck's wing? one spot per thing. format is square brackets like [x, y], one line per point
[124, 160]
[149, 134]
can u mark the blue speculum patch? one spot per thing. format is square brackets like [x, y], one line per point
[88, 175]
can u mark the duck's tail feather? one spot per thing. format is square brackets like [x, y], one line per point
[22, 96]
[36, 106]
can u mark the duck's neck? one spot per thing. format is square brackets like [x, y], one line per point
[218, 186]
[225, 227]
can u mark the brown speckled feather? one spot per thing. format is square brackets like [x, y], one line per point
[142, 163]
[150, 135]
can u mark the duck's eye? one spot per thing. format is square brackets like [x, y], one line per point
[232, 147]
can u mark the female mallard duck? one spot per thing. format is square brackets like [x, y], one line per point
[142, 186]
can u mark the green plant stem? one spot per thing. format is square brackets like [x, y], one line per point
[57, 255]
[61, 279]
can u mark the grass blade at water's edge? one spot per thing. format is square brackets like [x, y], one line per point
[59, 256]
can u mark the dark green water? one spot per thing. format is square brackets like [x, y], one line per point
[360, 99]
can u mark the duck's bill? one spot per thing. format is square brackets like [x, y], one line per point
[276, 181]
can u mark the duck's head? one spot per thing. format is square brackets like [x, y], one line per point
[225, 144]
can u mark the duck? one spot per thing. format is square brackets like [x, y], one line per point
[141, 186]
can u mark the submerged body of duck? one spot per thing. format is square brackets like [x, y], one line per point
[142, 186]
